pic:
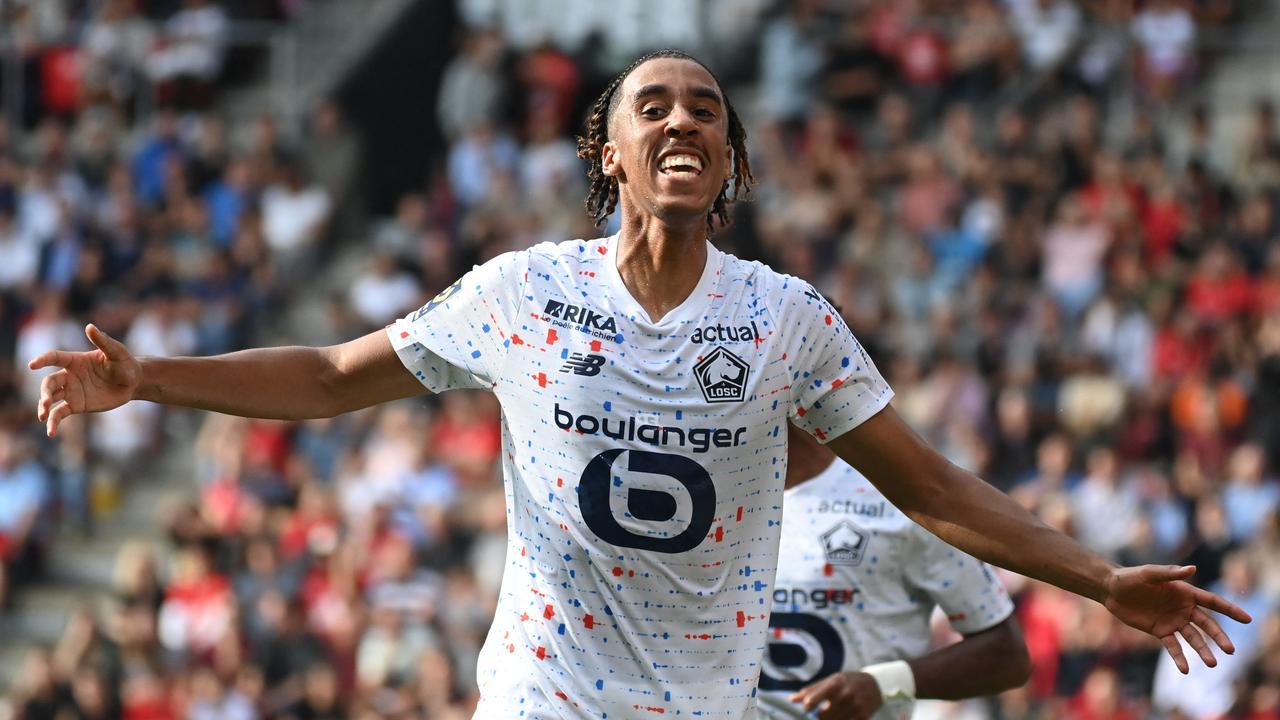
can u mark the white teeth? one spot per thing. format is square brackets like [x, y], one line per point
[692, 161]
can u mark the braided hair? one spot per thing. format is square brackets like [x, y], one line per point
[602, 197]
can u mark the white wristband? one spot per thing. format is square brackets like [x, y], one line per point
[894, 679]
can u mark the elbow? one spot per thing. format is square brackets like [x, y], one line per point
[327, 400]
[1019, 663]
[1015, 661]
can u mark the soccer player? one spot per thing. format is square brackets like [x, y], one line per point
[646, 380]
[857, 582]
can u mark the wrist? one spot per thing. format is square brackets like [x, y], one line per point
[1103, 586]
[895, 679]
[145, 389]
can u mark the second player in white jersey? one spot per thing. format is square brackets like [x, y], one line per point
[643, 463]
[857, 583]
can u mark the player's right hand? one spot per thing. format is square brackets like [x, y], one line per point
[92, 381]
[842, 696]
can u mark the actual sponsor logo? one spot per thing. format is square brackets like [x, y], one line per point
[567, 315]
[722, 376]
[852, 507]
[844, 544]
[726, 333]
[579, 364]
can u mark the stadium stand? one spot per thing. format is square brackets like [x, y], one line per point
[1026, 208]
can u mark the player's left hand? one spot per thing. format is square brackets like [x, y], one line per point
[853, 695]
[1157, 599]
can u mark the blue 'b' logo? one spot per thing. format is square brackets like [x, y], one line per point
[597, 484]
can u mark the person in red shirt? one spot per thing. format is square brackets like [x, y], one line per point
[1163, 220]
[1220, 289]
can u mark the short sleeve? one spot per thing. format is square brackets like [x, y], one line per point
[834, 385]
[963, 586]
[460, 338]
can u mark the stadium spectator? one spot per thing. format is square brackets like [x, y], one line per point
[791, 58]
[295, 214]
[472, 87]
[383, 290]
[114, 52]
[332, 154]
[1165, 31]
[1048, 30]
[190, 52]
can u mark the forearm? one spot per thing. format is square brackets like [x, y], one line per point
[966, 512]
[984, 522]
[981, 664]
[286, 383]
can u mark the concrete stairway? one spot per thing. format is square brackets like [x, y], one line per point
[1243, 72]
[309, 57]
[79, 570]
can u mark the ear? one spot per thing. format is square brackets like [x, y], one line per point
[610, 164]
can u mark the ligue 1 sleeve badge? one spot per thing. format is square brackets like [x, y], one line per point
[439, 299]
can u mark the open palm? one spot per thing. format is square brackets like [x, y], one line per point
[1157, 599]
[91, 381]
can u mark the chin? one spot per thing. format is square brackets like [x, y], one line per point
[679, 211]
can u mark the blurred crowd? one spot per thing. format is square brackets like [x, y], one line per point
[1075, 297]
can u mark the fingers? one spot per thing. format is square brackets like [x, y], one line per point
[1167, 573]
[1174, 649]
[1205, 622]
[59, 412]
[814, 695]
[53, 358]
[112, 348]
[52, 389]
[1217, 603]
[1197, 643]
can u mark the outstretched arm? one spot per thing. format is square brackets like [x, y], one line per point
[982, 664]
[968, 513]
[287, 383]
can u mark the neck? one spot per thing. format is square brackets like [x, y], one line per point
[660, 262]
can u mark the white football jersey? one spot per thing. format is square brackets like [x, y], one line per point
[643, 465]
[856, 585]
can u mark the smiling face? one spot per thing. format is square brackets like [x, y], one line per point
[668, 141]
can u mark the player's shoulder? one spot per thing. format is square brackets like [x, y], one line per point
[544, 260]
[569, 251]
[785, 292]
[754, 271]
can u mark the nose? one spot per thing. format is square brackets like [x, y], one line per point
[680, 122]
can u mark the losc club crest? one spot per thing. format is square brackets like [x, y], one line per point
[844, 544]
[722, 376]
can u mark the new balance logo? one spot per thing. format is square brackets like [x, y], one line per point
[579, 364]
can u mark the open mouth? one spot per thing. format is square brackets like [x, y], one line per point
[681, 166]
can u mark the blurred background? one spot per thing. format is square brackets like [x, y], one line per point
[1053, 224]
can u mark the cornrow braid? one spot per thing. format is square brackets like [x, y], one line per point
[602, 196]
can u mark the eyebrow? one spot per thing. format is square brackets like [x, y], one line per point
[699, 91]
